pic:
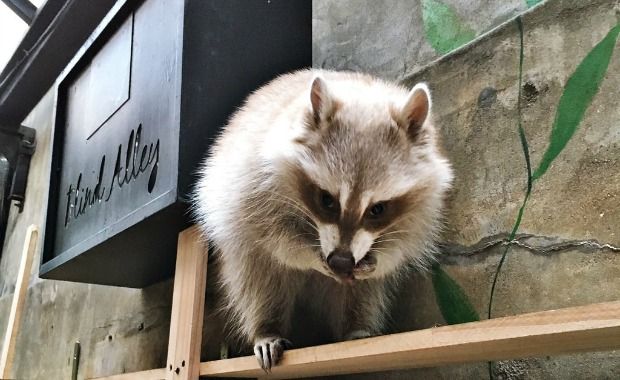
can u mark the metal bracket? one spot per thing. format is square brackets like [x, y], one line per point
[22, 166]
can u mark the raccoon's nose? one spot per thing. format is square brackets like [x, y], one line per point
[341, 262]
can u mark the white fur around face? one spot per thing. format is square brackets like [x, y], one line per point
[365, 200]
[345, 191]
[362, 240]
[330, 238]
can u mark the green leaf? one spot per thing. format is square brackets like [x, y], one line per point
[578, 93]
[443, 27]
[531, 3]
[453, 303]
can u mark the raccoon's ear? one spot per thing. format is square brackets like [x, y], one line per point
[416, 110]
[320, 99]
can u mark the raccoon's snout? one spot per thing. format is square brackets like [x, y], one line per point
[341, 262]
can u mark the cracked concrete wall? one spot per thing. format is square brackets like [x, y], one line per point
[568, 249]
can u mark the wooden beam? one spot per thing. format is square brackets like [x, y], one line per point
[188, 302]
[578, 329]
[19, 298]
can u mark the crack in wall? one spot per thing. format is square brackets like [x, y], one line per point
[542, 245]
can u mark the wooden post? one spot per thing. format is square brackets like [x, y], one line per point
[188, 299]
[19, 297]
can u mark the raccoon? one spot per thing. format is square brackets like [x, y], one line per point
[323, 186]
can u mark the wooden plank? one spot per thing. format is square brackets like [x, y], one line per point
[19, 298]
[152, 374]
[587, 328]
[188, 299]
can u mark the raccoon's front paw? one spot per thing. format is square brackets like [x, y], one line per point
[269, 351]
[358, 334]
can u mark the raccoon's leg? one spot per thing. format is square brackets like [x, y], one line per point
[260, 296]
[367, 304]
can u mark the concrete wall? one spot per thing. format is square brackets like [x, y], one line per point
[388, 37]
[552, 266]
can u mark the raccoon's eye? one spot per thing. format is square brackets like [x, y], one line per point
[377, 209]
[327, 201]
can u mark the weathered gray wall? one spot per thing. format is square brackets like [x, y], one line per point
[387, 37]
[126, 330]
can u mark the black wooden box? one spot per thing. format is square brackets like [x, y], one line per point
[136, 111]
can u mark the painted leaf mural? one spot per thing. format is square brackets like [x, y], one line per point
[444, 30]
[578, 93]
[531, 3]
[451, 299]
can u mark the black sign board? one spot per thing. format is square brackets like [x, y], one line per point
[135, 113]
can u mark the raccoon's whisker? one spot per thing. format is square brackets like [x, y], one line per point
[376, 250]
[291, 203]
[385, 240]
[303, 219]
[258, 208]
[303, 216]
[310, 246]
[295, 206]
[302, 234]
[305, 222]
[392, 232]
[303, 247]
[309, 224]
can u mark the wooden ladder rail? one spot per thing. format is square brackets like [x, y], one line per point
[19, 298]
[594, 327]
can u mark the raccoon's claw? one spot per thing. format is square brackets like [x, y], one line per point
[269, 351]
